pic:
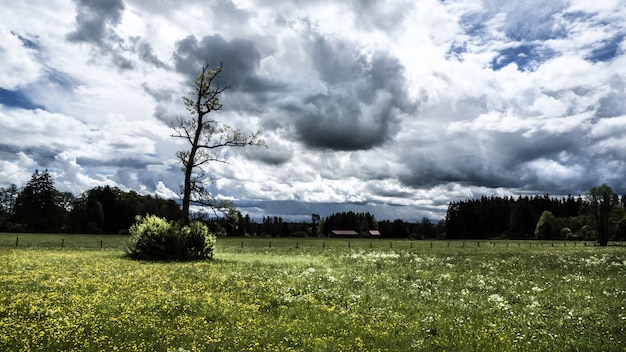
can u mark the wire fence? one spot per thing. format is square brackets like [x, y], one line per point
[119, 242]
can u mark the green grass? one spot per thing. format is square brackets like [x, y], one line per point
[64, 240]
[313, 295]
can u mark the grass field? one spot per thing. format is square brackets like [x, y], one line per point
[313, 295]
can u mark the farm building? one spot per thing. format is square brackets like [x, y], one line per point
[354, 234]
[344, 234]
[374, 233]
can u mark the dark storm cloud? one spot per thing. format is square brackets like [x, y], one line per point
[274, 155]
[240, 57]
[95, 25]
[495, 159]
[94, 19]
[337, 122]
[146, 53]
[364, 97]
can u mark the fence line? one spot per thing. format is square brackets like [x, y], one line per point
[86, 242]
[63, 243]
[339, 243]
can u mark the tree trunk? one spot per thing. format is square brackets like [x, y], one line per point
[191, 162]
[186, 196]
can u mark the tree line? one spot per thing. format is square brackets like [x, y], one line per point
[398, 228]
[236, 224]
[599, 215]
[40, 207]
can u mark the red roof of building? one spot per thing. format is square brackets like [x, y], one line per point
[344, 233]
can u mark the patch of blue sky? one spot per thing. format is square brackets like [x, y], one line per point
[456, 51]
[607, 50]
[18, 99]
[526, 56]
[520, 24]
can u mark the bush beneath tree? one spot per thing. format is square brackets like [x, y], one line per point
[155, 238]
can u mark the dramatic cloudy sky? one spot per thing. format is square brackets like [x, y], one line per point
[392, 107]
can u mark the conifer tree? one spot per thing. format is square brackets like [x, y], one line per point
[37, 206]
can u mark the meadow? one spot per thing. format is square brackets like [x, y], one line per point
[312, 295]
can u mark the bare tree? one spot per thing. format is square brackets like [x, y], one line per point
[207, 139]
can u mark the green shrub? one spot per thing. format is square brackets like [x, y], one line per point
[199, 243]
[155, 238]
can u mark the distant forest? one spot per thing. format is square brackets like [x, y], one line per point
[40, 207]
[523, 217]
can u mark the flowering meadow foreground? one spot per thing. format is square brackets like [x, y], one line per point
[315, 295]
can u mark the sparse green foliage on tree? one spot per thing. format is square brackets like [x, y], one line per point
[207, 139]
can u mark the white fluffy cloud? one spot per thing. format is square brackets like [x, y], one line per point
[18, 60]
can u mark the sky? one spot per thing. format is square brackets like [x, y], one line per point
[395, 108]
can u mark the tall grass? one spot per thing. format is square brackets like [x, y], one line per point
[398, 297]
